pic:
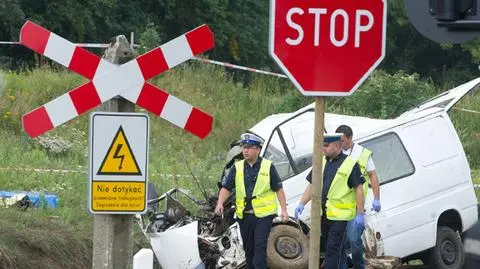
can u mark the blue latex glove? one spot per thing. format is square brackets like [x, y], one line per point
[359, 221]
[299, 210]
[376, 205]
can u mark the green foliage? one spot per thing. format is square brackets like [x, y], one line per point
[174, 154]
[234, 107]
[240, 28]
[149, 38]
[12, 16]
[29, 90]
[476, 180]
[384, 95]
[466, 119]
[411, 52]
[241, 36]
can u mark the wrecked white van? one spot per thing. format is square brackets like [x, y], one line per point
[427, 194]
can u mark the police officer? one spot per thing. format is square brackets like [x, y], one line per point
[342, 199]
[363, 156]
[257, 187]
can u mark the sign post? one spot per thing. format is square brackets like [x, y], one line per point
[317, 185]
[326, 48]
[112, 233]
[118, 149]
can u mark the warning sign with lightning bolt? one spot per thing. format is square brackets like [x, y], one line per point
[119, 159]
[118, 163]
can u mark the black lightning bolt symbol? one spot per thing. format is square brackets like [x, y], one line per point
[116, 156]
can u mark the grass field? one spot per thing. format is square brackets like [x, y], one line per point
[62, 238]
[476, 180]
[64, 235]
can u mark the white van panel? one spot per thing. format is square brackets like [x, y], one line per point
[418, 220]
[428, 135]
[412, 205]
[294, 188]
[413, 241]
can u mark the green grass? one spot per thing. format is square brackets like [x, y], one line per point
[476, 180]
[45, 232]
[29, 239]
[466, 119]
[38, 238]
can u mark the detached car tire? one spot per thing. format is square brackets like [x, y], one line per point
[448, 252]
[287, 248]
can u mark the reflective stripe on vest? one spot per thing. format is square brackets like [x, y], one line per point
[264, 201]
[341, 200]
[362, 162]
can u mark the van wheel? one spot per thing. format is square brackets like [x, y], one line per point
[287, 248]
[448, 252]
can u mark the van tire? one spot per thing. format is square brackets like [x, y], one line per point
[287, 248]
[448, 252]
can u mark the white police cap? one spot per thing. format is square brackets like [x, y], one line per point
[251, 139]
[329, 138]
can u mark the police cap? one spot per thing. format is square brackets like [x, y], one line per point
[251, 140]
[329, 138]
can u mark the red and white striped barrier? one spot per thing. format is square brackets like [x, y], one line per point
[203, 60]
[108, 80]
[467, 110]
[234, 66]
[9, 43]
[84, 45]
[85, 170]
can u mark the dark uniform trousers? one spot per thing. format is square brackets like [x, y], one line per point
[255, 233]
[334, 234]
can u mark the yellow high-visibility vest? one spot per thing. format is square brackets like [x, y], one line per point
[362, 162]
[264, 201]
[341, 200]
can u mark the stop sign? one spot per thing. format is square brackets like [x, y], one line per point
[327, 47]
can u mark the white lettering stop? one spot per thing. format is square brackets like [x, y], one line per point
[336, 15]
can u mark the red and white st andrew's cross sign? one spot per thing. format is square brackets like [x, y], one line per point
[107, 80]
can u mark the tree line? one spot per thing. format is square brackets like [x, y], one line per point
[240, 28]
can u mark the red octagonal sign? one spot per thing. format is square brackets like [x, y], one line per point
[327, 47]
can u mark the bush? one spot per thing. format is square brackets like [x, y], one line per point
[149, 38]
[465, 117]
[384, 95]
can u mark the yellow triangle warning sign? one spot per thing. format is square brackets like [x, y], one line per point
[119, 159]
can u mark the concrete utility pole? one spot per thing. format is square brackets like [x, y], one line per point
[113, 234]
